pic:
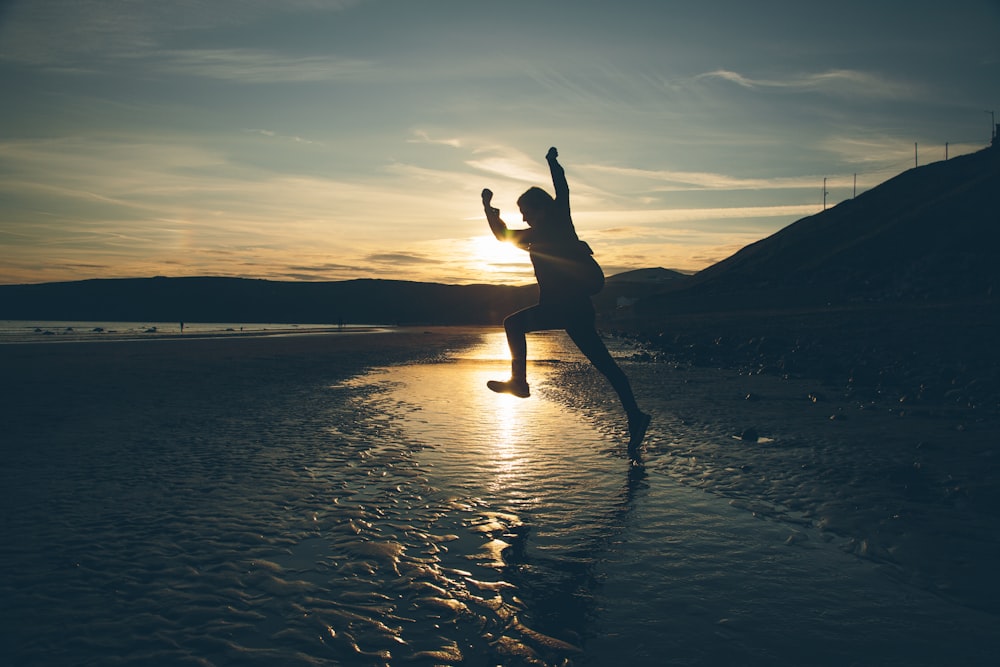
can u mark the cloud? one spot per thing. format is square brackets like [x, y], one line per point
[284, 137]
[673, 215]
[55, 33]
[840, 82]
[668, 181]
[320, 268]
[726, 75]
[318, 272]
[517, 167]
[881, 156]
[422, 137]
[400, 258]
[253, 66]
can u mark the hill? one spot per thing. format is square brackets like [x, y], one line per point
[241, 300]
[621, 291]
[368, 301]
[658, 276]
[929, 234]
[890, 295]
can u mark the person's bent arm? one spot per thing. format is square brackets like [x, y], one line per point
[498, 226]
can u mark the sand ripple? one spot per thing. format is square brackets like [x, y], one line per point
[407, 516]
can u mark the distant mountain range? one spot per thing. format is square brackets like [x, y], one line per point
[242, 300]
[929, 234]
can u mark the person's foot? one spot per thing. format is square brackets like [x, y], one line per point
[514, 387]
[638, 422]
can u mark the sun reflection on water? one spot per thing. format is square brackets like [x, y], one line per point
[492, 348]
[509, 452]
[479, 437]
[523, 482]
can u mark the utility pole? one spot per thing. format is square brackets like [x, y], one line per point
[993, 125]
[855, 185]
[825, 193]
[915, 163]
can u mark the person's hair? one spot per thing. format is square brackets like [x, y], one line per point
[536, 199]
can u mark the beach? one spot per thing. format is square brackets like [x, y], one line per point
[361, 498]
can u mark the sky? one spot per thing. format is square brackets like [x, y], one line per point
[341, 139]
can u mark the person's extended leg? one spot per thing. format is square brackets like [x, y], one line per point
[589, 341]
[535, 318]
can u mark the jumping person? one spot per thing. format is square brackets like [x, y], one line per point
[567, 276]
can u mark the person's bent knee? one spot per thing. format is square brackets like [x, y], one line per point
[515, 322]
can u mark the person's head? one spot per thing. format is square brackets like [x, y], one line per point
[535, 205]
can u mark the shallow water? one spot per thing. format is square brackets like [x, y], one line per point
[410, 516]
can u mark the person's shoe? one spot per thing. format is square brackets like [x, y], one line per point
[514, 387]
[638, 422]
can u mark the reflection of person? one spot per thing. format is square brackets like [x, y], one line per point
[567, 277]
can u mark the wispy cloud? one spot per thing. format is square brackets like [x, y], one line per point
[675, 247]
[423, 137]
[666, 180]
[256, 66]
[137, 203]
[512, 165]
[832, 82]
[880, 155]
[614, 220]
[283, 137]
[55, 33]
[397, 258]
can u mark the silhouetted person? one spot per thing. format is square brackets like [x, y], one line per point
[567, 276]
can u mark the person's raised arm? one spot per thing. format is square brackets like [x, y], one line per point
[558, 176]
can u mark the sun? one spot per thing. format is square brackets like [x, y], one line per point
[498, 257]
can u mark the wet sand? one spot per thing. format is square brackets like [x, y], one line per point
[300, 499]
[915, 490]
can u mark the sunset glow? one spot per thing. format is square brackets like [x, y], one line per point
[496, 256]
[338, 139]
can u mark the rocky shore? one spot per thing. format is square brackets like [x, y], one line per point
[907, 358]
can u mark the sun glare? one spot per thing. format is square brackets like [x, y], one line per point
[499, 257]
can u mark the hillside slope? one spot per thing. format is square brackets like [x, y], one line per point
[929, 234]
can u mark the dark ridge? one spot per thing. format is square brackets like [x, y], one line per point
[242, 300]
[926, 235]
[891, 296]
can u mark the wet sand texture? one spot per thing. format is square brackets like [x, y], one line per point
[270, 501]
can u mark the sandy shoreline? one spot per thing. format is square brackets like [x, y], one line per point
[49, 368]
[98, 394]
[19, 333]
[99, 432]
[913, 490]
[820, 450]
